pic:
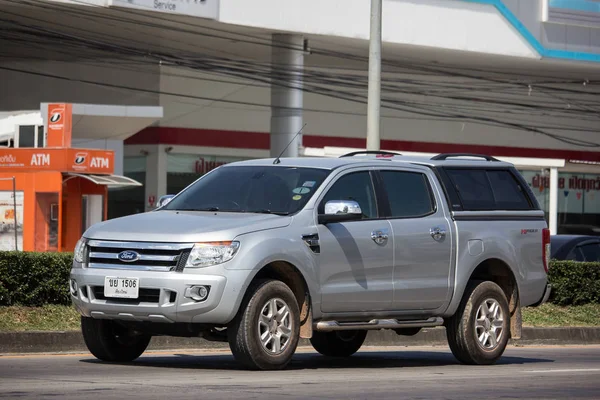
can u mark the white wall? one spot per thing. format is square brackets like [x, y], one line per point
[446, 24]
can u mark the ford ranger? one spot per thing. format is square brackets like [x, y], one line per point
[261, 253]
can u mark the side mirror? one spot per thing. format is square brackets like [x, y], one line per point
[164, 200]
[340, 211]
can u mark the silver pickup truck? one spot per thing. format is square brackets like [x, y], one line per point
[262, 253]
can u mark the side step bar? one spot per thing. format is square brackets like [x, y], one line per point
[328, 326]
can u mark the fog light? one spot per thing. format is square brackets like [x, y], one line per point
[73, 287]
[197, 293]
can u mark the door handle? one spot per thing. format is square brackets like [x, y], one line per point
[437, 233]
[380, 236]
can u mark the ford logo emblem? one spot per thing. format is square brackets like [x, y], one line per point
[128, 256]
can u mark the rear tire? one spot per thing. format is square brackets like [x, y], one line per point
[338, 343]
[479, 331]
[265, 333]
[109, 341]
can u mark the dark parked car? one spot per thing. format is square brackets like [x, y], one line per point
[575, 247]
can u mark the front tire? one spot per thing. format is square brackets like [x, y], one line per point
[479, 331]
[109, 341]
[265, 333]
[338, 343]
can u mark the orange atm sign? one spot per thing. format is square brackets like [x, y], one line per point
[60, 118]
[89, 161]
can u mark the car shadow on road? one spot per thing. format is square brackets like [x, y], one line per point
[308, 361]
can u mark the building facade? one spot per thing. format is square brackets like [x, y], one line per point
[235, 80]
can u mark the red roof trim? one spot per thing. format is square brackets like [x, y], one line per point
[260, 141]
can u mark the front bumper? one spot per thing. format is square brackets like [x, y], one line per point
[167, 304]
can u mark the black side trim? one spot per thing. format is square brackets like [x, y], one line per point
[524, 186]
[383, 204]
[312, 241]
[498, 218]
[454, 202]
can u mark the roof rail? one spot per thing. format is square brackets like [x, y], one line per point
[445, 156]
[378, 152]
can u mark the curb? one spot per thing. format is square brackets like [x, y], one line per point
[70, 341]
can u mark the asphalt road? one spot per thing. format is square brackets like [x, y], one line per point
[389, 373]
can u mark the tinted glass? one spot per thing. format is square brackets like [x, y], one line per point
[356, 186]
[507, 191]
[27, 136]
[259, 189]
[591, 252]
[408, 193]
[473, 188]
[489, 190]
[40, 136]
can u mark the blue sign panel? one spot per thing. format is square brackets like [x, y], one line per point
[589, 6]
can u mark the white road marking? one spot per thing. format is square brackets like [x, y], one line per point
[550, 371]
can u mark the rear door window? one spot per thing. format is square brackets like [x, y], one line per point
[408, 193]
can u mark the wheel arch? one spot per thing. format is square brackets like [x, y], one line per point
[289, 274]
[499, 272]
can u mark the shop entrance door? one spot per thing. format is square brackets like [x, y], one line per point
[46, 222]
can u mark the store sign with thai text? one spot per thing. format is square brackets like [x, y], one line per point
[573, 182]
[203, 166]
[577, 193]
[197, 164]
[193, 8]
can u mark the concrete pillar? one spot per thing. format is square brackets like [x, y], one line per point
[287, 59]
[156, 176]
[553, 207]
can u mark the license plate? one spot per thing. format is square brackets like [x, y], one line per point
[124, 288]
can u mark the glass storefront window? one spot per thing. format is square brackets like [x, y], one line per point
[578, 199]
[184, 169]
[129, 200]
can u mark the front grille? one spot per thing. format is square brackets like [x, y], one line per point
[145, 295]
[147, 256]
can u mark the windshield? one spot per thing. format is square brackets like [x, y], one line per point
[259, 189]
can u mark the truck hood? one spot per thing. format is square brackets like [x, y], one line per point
[184, 226]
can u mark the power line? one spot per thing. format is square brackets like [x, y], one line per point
[264, 72]
[484, 121]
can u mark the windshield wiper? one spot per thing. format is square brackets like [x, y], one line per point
[266, 211]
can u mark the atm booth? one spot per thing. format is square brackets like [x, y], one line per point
[50, 195]
[55, 196]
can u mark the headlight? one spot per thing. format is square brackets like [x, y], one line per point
[80, 250]
[211, 253]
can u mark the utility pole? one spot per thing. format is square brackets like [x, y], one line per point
[374, 99]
